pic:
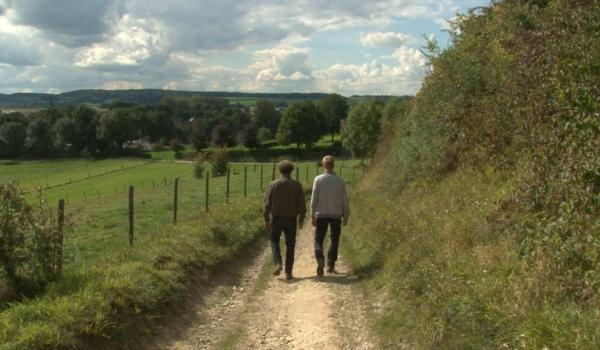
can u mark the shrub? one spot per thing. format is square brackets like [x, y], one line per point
[263, 135]
[482, 220]
[219, 161]
[29, 245]
[157, 147]
[176, 145]
[94, 302]
[199, 168]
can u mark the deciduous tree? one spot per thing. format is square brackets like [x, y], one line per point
[300, 124]
[361, 130]
[334, 108]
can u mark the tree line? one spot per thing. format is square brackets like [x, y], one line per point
[129, 129]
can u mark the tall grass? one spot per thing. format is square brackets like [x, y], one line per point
[94, 299]
[480, 223]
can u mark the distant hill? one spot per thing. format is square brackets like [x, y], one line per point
[142, 96]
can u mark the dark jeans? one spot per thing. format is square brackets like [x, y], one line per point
[288, 227]
[336, 229]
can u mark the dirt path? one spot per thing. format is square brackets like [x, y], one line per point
[266, 312]
[309, 312]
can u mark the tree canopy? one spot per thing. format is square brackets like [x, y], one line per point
[300, 124]
[361, 130]
[266, 116]
[334, 108]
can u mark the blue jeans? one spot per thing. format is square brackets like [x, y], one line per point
[336, 229]
[288, 227]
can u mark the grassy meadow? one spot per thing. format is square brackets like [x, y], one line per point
[96, 194]
[105, 279]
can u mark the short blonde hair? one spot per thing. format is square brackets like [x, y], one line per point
[328, 161]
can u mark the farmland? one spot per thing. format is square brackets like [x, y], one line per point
[97, 256]
[96, 194]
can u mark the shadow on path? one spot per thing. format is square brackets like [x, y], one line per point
[335, 278]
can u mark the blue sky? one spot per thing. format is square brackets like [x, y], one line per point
[349, 47]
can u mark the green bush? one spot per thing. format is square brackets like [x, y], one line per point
[199, 169]
[219, 161]
[29, 242]
[482, 219]
[95, 301]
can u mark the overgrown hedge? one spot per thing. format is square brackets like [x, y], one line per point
[494, 177]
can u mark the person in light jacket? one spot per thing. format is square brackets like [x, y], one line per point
[328, 208]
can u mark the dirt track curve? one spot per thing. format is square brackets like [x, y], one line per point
[264, 312]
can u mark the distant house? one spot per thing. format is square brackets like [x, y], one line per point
[138, 144]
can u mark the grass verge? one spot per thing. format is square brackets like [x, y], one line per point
[94, 301]
[443, 270]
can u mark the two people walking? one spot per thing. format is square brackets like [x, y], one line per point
[284, 211]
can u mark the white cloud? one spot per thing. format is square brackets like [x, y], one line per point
[444, 23]
[376, 77]
[386, 39]
[131, 45]
[121, 85]
[243, 45]
[410, 59]
[282, 68]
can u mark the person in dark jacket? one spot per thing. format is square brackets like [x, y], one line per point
[284, 202]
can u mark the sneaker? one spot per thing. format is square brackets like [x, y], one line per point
[288, 276]
[331, 269]
[278, 269]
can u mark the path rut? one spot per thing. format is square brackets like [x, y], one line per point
[309, 312]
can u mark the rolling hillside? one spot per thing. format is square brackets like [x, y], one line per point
[145, 97]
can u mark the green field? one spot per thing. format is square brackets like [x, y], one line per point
[96, 194]
[45, 174]
[104, 277]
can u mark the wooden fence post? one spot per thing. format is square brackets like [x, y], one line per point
[273, 177]
[307, 173]
[60, 238]
[353, 174]
[175, 194]
[261, 177]
[245, 181]
[298, 173]
[131, 216]
[206, 192]
[228, 184]
[341, 170]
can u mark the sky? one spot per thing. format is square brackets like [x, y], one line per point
[350, 47]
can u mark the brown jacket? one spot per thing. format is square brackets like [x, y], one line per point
[284, 198]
